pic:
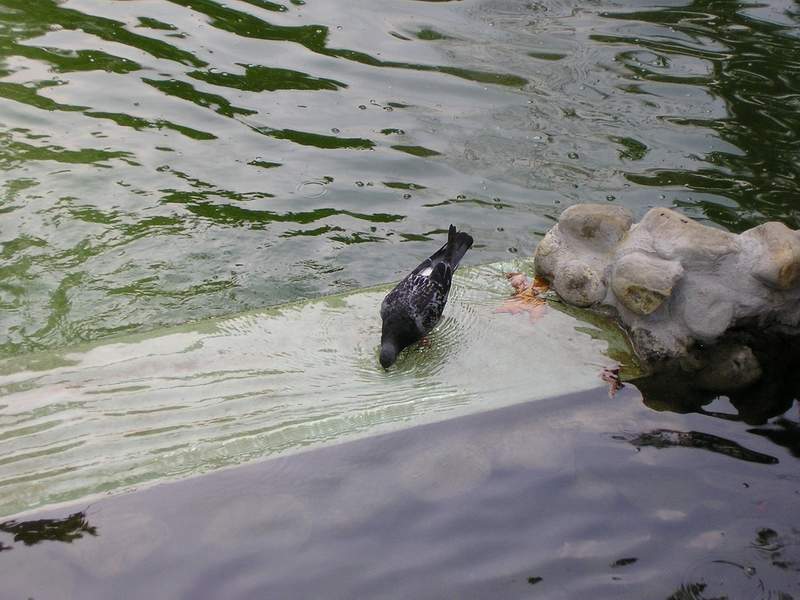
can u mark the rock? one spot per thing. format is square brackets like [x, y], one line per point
[547, 253]
[778, 265]
[578, 284]
[709, 313]
[673, 282]
[601, 225]
[642, 283]
[676, 236]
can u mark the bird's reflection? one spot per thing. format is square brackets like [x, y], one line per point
[68, 529]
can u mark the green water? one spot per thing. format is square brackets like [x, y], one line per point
[167, 161]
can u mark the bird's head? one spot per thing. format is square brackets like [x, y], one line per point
[388, 353]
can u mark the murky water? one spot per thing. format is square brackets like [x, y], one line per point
[164, 161]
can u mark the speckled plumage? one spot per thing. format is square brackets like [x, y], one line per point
[413, 308]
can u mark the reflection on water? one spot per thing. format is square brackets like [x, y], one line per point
[667, 438]
[747, 55]
[178, 159]
[784, 432]
[681, 388]
[67, 529]
[534, 498]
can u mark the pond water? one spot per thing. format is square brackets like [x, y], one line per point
[583, 496]
[164, 162]
[169, 160]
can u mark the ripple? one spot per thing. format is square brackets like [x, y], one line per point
[313, 188]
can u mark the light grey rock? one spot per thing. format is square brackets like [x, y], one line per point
[600, 225]
[676, 236]
[778, 265]
[579, 284]
[672, 281]
[642, 282]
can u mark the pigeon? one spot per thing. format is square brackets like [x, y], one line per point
[415, 305]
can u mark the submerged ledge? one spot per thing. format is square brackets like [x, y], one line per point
[187, 400]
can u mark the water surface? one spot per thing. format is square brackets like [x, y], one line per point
[166, 161]
[550, 499]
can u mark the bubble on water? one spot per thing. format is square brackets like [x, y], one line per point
[572, 155]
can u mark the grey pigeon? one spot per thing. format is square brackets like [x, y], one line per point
[415, 305]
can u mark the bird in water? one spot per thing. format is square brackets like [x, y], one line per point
[415, 305]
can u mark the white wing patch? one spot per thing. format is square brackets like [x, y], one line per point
[426, 272]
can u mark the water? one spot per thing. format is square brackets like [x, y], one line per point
[192, 399]
[553, 499]
[167, 161]
[163, 162]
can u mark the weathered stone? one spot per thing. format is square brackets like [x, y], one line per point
[673, 281]
[642, 283]
[601, 225]
[579, 284]
[730, 367]
[677, 236]
[778, 264]
[547, 254]
[709, 312]
[654, 344]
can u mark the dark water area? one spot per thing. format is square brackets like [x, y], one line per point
[575, 497]
[164, 161]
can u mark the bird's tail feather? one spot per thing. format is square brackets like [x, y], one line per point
[457, 245]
